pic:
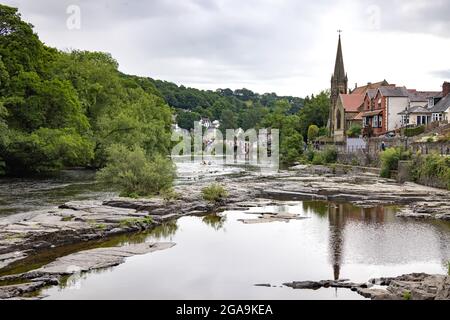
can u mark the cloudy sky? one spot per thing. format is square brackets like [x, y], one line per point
[282, 46]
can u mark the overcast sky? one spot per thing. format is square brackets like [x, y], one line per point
[282, 46]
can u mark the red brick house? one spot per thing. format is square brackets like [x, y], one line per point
[382, 108]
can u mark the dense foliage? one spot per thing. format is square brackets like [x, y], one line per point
[354, 131]
[214, 193]
[432, 169]
[313, 132]
[61, 109]
[135, 173]
[390, 158]
[246, 109]
[327, 156]
[411, 132]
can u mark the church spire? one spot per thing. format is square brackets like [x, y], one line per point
[339, 71]
[339, 85]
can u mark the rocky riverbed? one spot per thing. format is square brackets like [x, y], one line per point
[415, 286]
[24, 235]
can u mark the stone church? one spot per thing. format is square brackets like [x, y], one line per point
[346, 105]
[339, 85]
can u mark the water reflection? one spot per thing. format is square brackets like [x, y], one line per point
[215, 221]
[164, 231]
[337, 240]
[371, 235]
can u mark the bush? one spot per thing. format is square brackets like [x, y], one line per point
[354, 131]
[291, 147]
[309, 155]
[169, 195]
[214, 193]
[433, 167]
[330, 155]
[135, 174]
[411, 132]
[390, 158]
[313, 132]
[323, 132]
[318, 159]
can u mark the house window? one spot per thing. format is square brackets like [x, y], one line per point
[405, 119]
[435, 117]
[430, 102]
[380, 121]
[375, 122]
[421, 120]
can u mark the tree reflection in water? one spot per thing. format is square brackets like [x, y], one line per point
[215, 221]
[164, 231]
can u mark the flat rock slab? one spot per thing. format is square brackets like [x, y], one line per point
[99, 258]
[12, 291]
[8, 258]
[267, 218]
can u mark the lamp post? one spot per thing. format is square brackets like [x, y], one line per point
[406, 126]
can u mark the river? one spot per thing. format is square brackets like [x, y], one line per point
[221, 257]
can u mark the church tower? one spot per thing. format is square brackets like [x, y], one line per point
[339, 85]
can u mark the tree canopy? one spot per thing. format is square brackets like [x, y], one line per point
[60, 109]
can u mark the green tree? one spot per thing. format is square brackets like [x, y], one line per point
[187, 119]
[135, 173]
[354, 131]
[228, 120]
[315, 111]
[46, 150]
[313, 132]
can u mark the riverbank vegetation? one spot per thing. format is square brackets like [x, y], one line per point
[75, 109]
[214, 193]
[432, 169]
[390, 158]
[136, 173]
[61, 109]
[320, 157]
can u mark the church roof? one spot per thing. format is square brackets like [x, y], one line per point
[370, 86]
[351, 102]
[339, 70]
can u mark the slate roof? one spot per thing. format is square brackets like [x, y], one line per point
[416, 109]
[370, 86]
[442, 106]
[423, 96]
[372, 93]
[339, 71]
[394, 92]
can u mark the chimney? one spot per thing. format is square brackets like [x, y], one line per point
[445, 89]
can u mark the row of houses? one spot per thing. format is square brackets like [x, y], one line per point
[386, 108]
[381, 108]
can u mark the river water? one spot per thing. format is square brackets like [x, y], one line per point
[221, 257]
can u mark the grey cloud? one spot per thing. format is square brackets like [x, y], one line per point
[444, 74]
[219, 41]
[413, 16]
